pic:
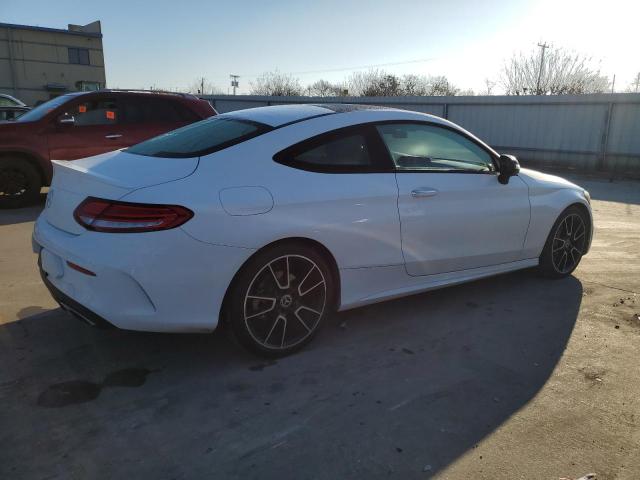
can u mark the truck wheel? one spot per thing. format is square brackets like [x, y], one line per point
[20, 183]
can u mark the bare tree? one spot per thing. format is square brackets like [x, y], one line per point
[203, 86]
[635, 84]
[276, 84]
[440, 85]
[559, 73]
[490, 85]
[324, 88]
[378, 83]
[374, 83]
[415, 85]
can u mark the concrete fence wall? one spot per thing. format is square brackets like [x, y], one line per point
[585, 132]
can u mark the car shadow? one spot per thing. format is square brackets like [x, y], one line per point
[401, 388]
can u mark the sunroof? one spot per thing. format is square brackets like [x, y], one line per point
[349, 107]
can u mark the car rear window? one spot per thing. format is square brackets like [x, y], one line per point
[200, 138]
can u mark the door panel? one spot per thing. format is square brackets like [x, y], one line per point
[149, 117]
[458, 221]
[97, 129]
[454, 214]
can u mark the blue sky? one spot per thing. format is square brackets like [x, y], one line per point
[168, 44]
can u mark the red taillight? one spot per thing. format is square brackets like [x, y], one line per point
[123, 217]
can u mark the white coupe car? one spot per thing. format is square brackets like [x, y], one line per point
[272, 218]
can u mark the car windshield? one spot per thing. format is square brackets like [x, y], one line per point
[9, 101]
[41, 110]
[200, 138]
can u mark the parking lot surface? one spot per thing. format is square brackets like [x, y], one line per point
[514, 377]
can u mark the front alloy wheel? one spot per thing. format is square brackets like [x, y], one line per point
[280, 299]
[566, 244]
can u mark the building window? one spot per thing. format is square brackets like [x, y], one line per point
[79, 56]
[85, 86]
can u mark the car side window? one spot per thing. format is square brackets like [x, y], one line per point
[348, 150]
[424, 147]
[155, 110]
[6, 102]
[145, 110]
[96, 112]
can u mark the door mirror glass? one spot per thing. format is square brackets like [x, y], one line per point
[509, 167]
[67, 119]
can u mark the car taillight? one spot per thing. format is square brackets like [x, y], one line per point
[123, 217]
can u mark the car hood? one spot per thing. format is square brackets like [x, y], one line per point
[535, 179]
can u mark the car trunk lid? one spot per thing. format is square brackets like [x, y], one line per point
[110, 176]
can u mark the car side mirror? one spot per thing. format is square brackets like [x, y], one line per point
[509, 167]
[66, 119]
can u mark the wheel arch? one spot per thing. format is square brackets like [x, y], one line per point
[324, 251]
[32, 159]
[587, 213]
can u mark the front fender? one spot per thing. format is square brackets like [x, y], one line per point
[546, 207]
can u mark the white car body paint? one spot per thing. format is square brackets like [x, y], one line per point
[239, 201]
[385, 243]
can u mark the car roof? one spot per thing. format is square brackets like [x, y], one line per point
[18, 103]
[281, 115]
[108, 91]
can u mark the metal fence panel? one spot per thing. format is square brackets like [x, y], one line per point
[624, 132]
[582, 131]
[550, 127]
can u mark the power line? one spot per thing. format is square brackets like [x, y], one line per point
[342, 69]
[359, 67]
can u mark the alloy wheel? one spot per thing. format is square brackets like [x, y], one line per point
[568, 243]
[285, 302]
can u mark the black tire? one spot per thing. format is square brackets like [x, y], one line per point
[566, 243]
[20, 183]
[272, 316]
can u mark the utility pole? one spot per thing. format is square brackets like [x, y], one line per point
[202, 86]
[234, 82]
[543, 46]
[613, 84]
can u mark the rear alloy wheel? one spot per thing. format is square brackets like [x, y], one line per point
[19, 183]
[280, 299]
[566, 244]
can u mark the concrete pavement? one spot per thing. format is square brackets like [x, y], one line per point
[514, 377]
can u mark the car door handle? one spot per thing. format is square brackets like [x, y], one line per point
[113, 136]
[424, 192]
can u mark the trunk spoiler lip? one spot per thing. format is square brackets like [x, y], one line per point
[69, 165]
[75, 165]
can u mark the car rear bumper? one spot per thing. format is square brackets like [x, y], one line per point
[70, 305]
[161, 281]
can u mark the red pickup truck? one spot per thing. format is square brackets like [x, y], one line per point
[83, 124]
